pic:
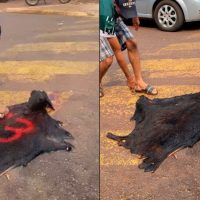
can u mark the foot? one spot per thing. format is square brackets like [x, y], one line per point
[131, 83]
[145, 88]
[101, 92]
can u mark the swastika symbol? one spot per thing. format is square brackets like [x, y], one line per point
[17, 132]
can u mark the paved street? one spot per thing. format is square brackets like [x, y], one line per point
[51, 7]
[171, 62]
[58, 54]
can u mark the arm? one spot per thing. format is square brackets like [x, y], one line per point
[135, 18]
[136, 22]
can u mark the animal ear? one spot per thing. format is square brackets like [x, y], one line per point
[33, 92]
[141, 107]
[39, 100]
[50, 105]
[139, 114]
[48, 101]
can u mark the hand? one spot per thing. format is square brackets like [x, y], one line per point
[117, 8]
[136, 23]
[3, 111]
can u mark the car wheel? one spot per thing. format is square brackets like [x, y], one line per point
[168, 16]
[32, 2]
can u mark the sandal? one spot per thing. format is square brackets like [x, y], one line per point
[148, 90]
[101, 92]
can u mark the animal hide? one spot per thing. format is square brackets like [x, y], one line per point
[163, 126]
[27, 131]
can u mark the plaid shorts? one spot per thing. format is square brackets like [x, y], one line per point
[105, 49]
[122, 31]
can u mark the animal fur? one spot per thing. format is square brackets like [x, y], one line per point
[163, 126]
[26, 133]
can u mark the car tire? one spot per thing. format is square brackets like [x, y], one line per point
[168, 16]
[32, 2]
[64, 1]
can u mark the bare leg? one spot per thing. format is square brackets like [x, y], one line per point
[134, 57]
[114, 43]
[104, 66]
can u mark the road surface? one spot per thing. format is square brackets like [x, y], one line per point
[171, 62]
[57, 54]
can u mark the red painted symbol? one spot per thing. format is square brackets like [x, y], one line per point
[18, 132]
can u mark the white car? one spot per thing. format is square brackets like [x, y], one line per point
[169, 15]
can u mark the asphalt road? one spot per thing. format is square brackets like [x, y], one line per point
[171, 62]
[59, 55]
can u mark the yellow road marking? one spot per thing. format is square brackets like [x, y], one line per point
[117, 155]
[115, 98]
[44, 70]
[195, 35]
[181, 47]
[55, 47]
[118, 160]
[190, 64]
[118, 100]
[13, 97]
[164, 68]
[172, 67]
[91, 21]
[82, 26]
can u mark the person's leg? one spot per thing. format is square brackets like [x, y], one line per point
[106, 59]
[104, 66]
[116, 47]
[134, 57]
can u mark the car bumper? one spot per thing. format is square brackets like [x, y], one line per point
[193, 11]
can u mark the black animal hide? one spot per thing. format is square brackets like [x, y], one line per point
[163, 126]
[25, 133]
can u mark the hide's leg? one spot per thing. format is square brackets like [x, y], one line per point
[69, 146]
[115, 137]
[55, 145]
[150, 164]
[120, 139]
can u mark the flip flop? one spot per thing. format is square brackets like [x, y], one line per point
[148, 90]
[101, 92]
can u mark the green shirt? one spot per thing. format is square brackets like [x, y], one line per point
[107, 16]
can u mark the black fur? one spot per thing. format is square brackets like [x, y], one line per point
[162, 127]
[47, 135]
[39, 101]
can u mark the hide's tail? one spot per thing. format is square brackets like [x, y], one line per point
[115, 137]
